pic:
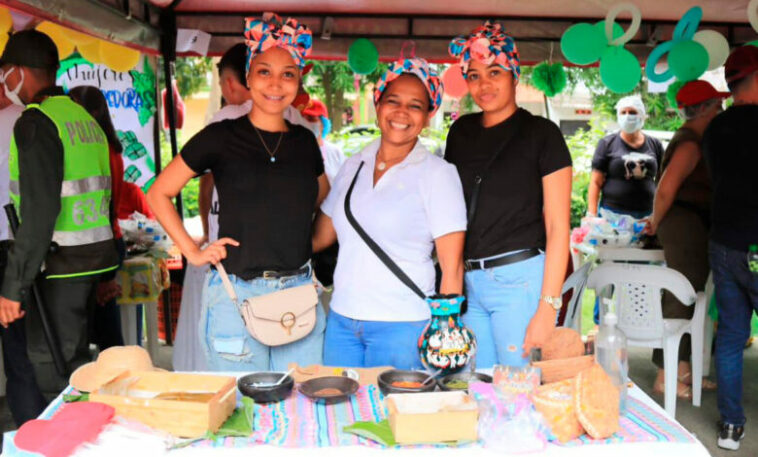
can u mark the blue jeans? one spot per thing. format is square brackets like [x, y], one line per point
[737, 299]
[227, 344]
[356, 343]
[501, 302]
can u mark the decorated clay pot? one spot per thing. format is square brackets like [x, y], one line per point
[445, 344]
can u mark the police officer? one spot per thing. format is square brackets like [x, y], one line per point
[60, 185]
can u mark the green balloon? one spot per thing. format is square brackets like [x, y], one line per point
[617, 30]
[752, 43]
[362, 57]
[688, 60]
[620, 70]
[583, 44]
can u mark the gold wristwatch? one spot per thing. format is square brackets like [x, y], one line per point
[555, 302]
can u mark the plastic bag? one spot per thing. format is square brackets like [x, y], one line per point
[508, 423]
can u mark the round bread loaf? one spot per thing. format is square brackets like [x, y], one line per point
[563, 343]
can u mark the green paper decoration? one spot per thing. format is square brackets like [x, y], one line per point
[688, 60]
[619, 69]
[672, 91]
[583, 43]
[549, 78]
[752, 43]
[362, 57]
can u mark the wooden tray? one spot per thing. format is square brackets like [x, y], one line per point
[187, 418]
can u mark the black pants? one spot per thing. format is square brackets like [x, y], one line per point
[106, 319]
[69, 303]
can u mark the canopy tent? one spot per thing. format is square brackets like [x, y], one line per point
[537, 25]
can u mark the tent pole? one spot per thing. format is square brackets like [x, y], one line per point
[168, 49]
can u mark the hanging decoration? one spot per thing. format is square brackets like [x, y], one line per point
[687, 58]
[549, 78]
[585, 44]
[79, 38]
[671, 92]
[118, 58]
[362, 57]
[58, 35]
[454, 83]
[91, 51]
[752, 15]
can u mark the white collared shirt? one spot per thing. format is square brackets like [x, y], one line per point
[8, 117]
[415, 202]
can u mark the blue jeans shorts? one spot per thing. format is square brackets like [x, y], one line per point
[226, 342]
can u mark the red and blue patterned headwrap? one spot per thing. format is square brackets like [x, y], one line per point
[270, 31]
[487, 44]
[419, 68]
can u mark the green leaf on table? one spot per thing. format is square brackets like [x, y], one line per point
[73, 398]
[241, 421]
[375, 431]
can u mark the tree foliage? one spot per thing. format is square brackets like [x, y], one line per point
[330, 81]
[191, 74]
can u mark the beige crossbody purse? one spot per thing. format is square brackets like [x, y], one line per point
[278, 318]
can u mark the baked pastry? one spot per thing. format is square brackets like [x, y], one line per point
[596, 400]
[563, 343]
[556, 404]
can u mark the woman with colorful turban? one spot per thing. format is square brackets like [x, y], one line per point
[270, 179]
[516, 174]
[410, 203]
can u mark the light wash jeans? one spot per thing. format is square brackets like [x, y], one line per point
[227, 344]
[501, 302]
[356, 343]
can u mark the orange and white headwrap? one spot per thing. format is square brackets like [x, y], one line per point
[262, 34]
[487, 44]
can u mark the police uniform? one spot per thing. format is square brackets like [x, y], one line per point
[60, 185]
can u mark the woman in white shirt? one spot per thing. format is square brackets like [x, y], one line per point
[411, 203]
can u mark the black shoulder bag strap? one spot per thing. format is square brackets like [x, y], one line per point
[386, 260]
[481, 175]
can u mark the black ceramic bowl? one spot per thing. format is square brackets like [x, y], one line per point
[343, 387]
[254, 386]
[466, 377]
[386, 379]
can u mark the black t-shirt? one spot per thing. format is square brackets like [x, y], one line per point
[731, 153]
[266, 206]
[629, 173]
[509, 210]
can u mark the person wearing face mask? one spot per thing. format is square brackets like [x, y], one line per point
[625, 165]
[410, 203]
[681, 215]
[60, 183]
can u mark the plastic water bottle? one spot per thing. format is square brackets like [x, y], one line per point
[610, 353]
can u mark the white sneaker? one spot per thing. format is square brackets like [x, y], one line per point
[730, 436]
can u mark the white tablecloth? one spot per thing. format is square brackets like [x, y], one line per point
[693, 449]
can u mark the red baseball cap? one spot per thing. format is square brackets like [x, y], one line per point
[315, 108]
[742, 62]
[696, 92]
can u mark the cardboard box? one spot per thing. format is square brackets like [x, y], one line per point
[200, 402]
[432, 417]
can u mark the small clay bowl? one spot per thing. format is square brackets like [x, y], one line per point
[343, 387]
[467, 377]
[254, 386]
[386, 379]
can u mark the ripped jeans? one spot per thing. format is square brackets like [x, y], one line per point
[226, 342]
[501, 302]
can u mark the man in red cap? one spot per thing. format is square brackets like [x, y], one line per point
[729, 148]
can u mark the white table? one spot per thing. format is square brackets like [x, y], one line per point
[693, 449]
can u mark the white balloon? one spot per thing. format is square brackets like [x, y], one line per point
[633, 27]
[716, 45]
[752, 14]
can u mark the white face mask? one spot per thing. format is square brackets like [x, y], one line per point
[630, 123]
[13, 94]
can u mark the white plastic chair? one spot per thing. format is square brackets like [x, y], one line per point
[637, 298]
[576, 282]
[708, 326]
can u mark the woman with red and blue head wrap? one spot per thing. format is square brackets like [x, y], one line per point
[270, 179]
[411, 203]
[516, 175]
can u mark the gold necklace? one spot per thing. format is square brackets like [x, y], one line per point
[265, 146]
